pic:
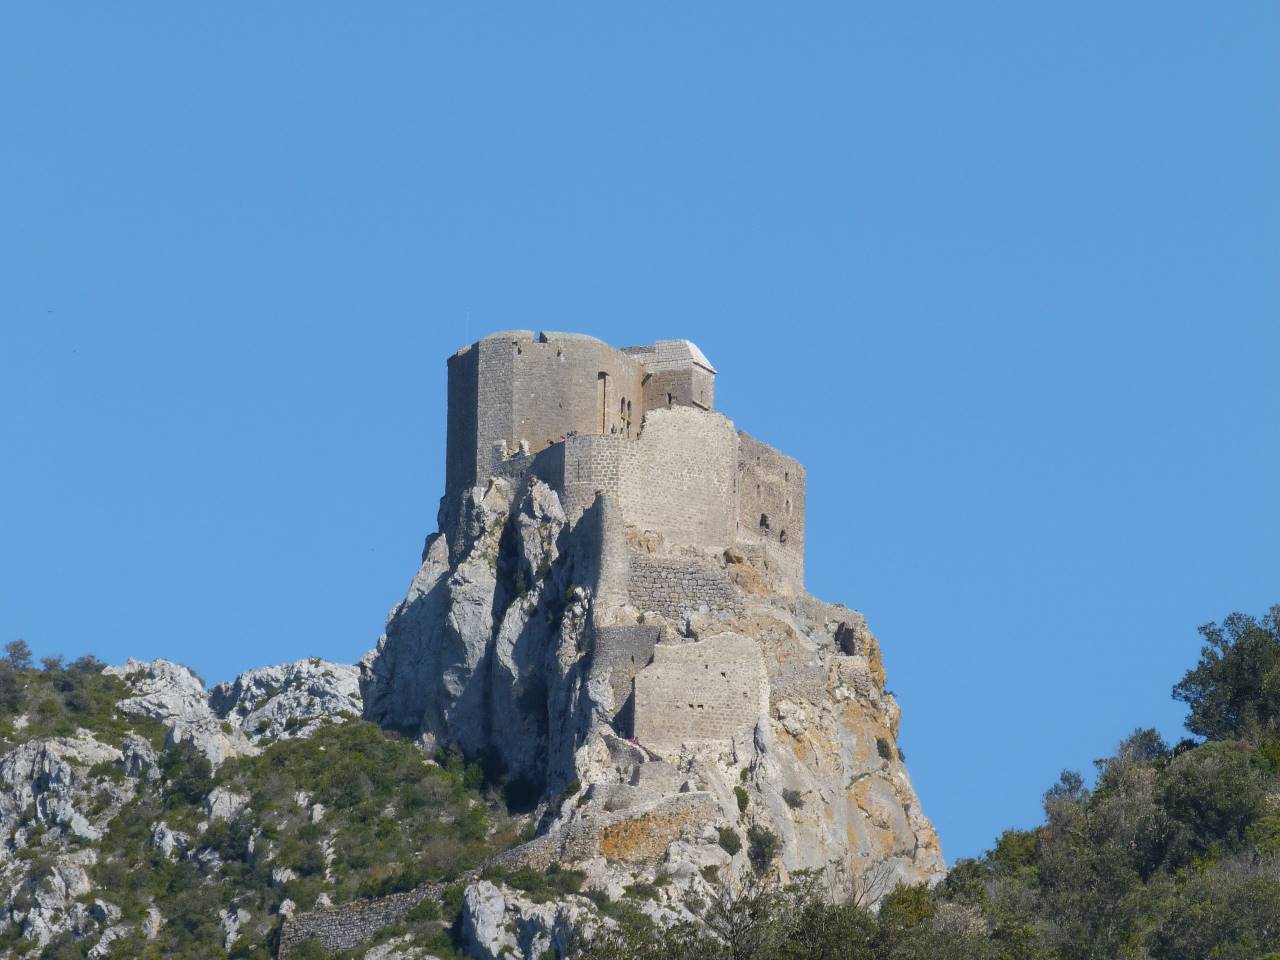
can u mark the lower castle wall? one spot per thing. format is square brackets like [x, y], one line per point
[677, 478]
[713, 689]
[620, 653]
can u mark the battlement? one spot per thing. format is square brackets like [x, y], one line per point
[637, 423]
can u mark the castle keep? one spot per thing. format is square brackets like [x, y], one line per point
[636, 427]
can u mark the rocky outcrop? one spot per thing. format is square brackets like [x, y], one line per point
[485, 651]
[274, 703]
[497, 922]
[56, 795]
[235, 719]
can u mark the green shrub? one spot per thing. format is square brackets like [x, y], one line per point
[743, 799]
[762, 847]
[730, 840]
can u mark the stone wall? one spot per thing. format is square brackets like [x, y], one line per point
[461, 428]
[678, 479]
[620, 653]
[771, 506]
[678, 375]
[637, 422]
[588, 465]
[677, 586]
[562, 382]
[514, 392]
[713, 689]
[351, 924]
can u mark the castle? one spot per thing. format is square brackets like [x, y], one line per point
[636, 425]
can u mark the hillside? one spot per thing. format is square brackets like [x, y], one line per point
[144, 816]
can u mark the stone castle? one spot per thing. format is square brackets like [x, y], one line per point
[631, 436]
[636, 425]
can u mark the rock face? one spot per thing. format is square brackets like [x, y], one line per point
[619, 619]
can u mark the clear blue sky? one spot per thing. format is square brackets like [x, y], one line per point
[1004, 276]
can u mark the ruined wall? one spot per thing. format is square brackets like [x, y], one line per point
[771, 506]
[713, 689]
[676, 586]
[351, 924]
[630, 836]
[620, 653]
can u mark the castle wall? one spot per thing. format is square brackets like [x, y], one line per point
[771, 507]
[620, 652]
[570, 383]
[678, 478]
[514, 394]
[713, 689]
[612, 573]
[589, 465]
[461, 429]
[687, 387]
[578, 414]
[675, 586]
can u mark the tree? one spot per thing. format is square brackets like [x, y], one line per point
[18, 654]
[1214, 793]
[1234, 691]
